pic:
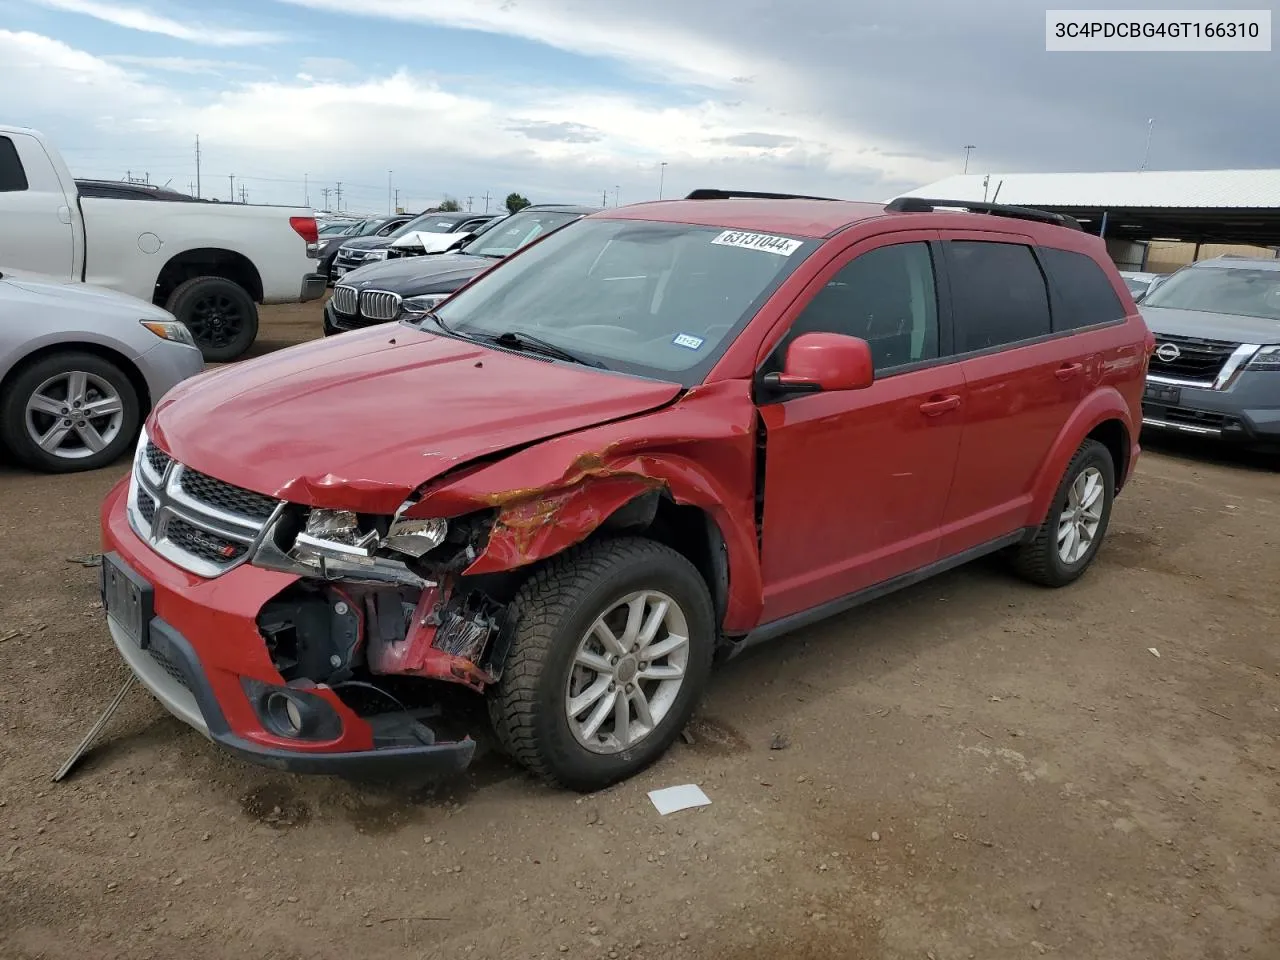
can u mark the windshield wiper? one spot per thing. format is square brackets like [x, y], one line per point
[531, 344]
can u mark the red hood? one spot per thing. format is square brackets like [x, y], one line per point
[362, 419]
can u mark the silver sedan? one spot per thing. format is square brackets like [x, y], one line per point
[80, 369]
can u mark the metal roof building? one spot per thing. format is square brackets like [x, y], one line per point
[1197, 206]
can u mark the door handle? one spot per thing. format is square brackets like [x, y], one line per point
[932, 408]
[1068, 370]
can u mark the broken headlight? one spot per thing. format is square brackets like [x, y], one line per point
[416, 537]
[338, 526]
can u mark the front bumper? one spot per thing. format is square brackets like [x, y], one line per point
[313, 286]
[335, 322]
[202, 641]
[1247, 411]
[166, 365]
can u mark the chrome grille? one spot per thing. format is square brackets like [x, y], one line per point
[199, 523]
[1197, 359]
[344, 299]
[379, 304]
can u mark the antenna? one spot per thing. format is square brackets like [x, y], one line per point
[1146, 152]
[997, 193]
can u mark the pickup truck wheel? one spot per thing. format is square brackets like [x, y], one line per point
[220, 314]
[69, 411]
[612, 648]
[1066, 543]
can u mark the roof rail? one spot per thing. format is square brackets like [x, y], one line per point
[924, 205]
[710, 193]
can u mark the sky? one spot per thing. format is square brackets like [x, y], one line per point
[591, 101]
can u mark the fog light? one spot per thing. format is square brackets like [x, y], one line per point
[285, 713]
[288, 712]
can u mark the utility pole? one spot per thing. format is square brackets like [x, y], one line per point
[617, 194]
[662, 176]
[469, 199]
[232, 196]
[487, 198]
[388, 193]
[397, 209]
[191, 188]
[325, 191]
[968, 148]
[306, 192]
[604, 197]
[338, 192]
[244, 197]
[197, 165]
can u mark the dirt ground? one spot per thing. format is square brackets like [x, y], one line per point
[974, 768]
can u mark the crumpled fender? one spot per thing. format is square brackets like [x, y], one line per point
[554, 494]
[1105, 403]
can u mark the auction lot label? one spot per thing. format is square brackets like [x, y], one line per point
[1172, 31]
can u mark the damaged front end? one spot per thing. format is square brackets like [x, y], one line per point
[382, 597]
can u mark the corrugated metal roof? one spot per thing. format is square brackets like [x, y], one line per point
[1150, 188]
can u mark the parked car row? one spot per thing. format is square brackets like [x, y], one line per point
[397, 289]
[366, 249]
[650, 438]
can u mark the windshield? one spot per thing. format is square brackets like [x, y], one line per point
[335, 229]
[518, 230]
[662, 300]
[427, 223]
[1239, 291]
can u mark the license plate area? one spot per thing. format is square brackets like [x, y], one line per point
[1160, 393]
[129, 601]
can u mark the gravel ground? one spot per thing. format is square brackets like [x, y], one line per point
[974, 768]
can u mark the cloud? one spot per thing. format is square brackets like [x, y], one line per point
[187, 65]
[563, 131]
[137, 18]
[764, 141]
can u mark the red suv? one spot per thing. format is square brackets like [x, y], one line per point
[658, 435]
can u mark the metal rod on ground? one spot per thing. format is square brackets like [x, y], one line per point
[95, 730]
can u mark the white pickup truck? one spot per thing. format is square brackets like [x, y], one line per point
[207, 263]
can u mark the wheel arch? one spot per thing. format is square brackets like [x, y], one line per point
[208, 262]
[1103, 416]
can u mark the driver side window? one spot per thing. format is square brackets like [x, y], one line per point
[887, 297]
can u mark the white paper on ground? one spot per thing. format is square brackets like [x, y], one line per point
[671, 799]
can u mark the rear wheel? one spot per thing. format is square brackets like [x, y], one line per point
[69, 411]
[612, 649]
[1066, 543]
[220, 314]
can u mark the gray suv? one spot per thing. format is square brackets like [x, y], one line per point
[1216, 367]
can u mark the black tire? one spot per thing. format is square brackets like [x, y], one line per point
[220, 314]
[554, 610]
[13, 414]
[1039, 560]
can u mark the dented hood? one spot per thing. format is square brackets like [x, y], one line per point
[361, 420]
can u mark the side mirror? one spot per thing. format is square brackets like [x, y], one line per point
[821, 362]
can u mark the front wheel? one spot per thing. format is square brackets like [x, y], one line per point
[612, 649]
[70, 411]
[1066, 543]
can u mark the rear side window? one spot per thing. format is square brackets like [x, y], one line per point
[1082, 294]
[998, 294]
[12, 177]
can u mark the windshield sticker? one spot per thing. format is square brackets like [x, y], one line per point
[782, 246]
[688, 341]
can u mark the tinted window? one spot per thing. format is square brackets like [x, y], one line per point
[886, 297]
[1082, 294]
[12, 176]
[998, 294]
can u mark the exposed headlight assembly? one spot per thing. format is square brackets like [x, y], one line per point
[1267, 358]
